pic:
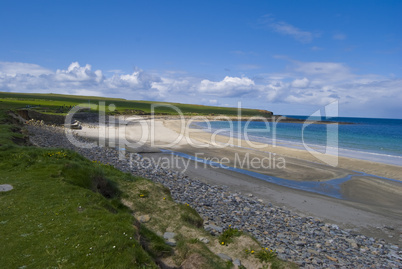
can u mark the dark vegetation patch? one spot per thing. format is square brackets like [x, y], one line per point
[191, 216]
[153, 243]
[21, 141]
[93, 178]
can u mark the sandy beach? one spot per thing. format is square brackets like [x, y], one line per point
[363, 200]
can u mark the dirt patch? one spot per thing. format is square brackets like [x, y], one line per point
[194, 261]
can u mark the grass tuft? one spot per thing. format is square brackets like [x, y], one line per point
[227, 235]
[191, 216]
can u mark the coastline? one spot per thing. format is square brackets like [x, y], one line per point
[328, 231]
[376, 156]
[360, 207]
[352, 164]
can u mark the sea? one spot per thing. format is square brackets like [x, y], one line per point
[373, 139]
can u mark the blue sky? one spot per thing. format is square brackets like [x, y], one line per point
[290, 57]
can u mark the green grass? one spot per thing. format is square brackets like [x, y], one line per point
[50, 103]
[191, 216]
[56, 216]
[53, 217]
[227, 235]
[68, 212]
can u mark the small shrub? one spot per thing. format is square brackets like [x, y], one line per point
[266, 255]
[227, 236]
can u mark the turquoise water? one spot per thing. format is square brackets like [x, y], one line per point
[378, 140]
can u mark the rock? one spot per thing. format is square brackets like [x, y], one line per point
[237, 262]
[213, 227]
[203, 240]
[5, 187]
[331, 258]
[312, 251]
[169, 235]
[224, 257]
[144, 218]
[352, 243]
[171, 242]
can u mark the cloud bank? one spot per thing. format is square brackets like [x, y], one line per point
[305, 83]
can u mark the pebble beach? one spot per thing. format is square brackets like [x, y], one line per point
[307, 241]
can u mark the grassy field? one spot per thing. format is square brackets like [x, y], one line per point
[52, 103]
[68, 212]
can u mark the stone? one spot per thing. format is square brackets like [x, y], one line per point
[331, 258]
[224, 257]
[144, 218]
[5, 187]
[171, 242]
[168, 235]
[237, 262]
[203, 240]
[352, 243]
[213, 227]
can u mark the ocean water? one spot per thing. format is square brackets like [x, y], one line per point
[378, 140]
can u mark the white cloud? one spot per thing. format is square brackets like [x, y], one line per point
[300, 83]
[76, 79]
[13, 68]
[287, 29]
[77, 73]
[229, 86]
[324, 82]
[328, 71]
[303, 83]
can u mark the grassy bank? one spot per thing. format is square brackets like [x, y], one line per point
[65, 211]
[59, 104]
